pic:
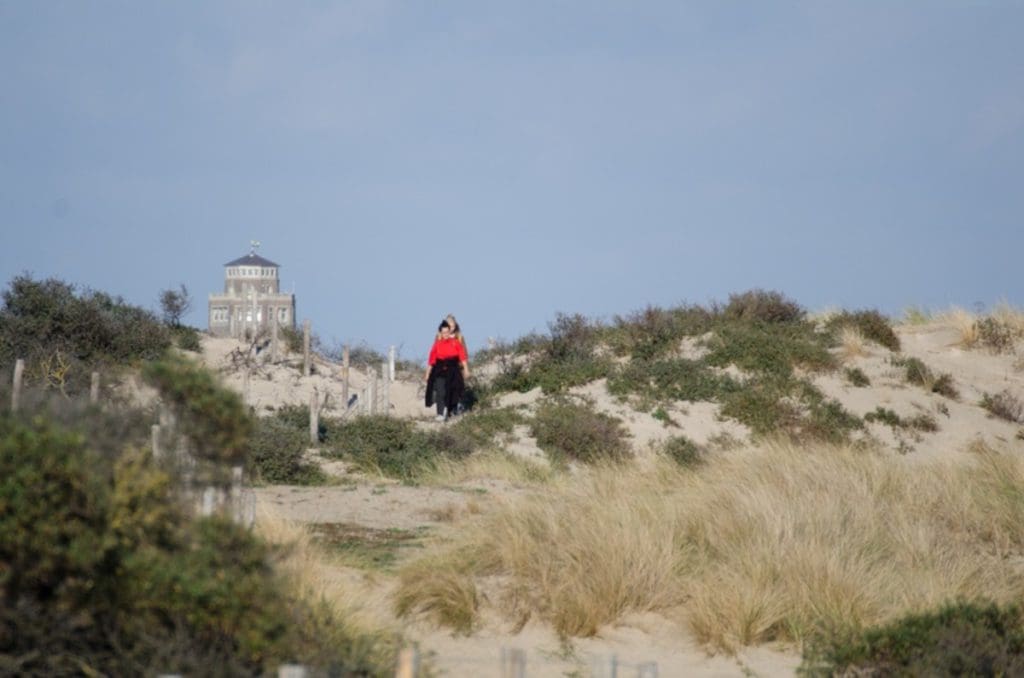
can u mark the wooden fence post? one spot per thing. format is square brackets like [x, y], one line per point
[647, 670]
[513, 663]
[391, 363]
[385, 389]
[154, 437]
[94, 388]
[274, 349]
[305, 348]
[408, 663]
[245, 386]
[19, 371]
[292, 671]
[344, 376]
[314, 417]
[371, 396]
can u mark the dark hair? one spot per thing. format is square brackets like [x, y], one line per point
[444, 324]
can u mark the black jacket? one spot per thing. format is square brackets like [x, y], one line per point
[454, 385]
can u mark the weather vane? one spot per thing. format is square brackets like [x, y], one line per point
[253, 246]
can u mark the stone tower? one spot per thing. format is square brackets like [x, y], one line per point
[252, 298]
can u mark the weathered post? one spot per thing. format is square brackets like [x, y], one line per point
[391, 363]
[385, 389]
[94, 388]
[305, 348]
[513, 663]
[245, 385]
[372, 395]
[292, 671]
[154, 436]
[314, 417]
[408, 663]
[344, 375]
[19, 372]
[274, 346]
[647, 670]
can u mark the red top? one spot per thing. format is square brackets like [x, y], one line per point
[447, 348]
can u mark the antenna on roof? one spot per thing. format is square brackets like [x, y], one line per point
[253, 246]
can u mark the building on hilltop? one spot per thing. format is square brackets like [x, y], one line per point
[252, 298]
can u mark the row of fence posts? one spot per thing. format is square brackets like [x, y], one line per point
[374, 398]
[210, 498]
[513, 665]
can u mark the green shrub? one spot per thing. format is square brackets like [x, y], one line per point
[919, 422]
[104, 573]
[187, 338]
[766, 348]
[763, 306]
[871, 324]
[856, 376]
[481, 426]
[684, 451]
[1004, 405]
[670, 379]
[654, 332]
[569, 431]
[916, 372]
[960, 639]
[213, 418]
[277, 452]
[63, 335]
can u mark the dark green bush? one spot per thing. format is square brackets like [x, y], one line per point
[916, 372]
[654, 332]
[960, 639]
[187, 338]
[766, 348]
[919, 422]
[763, 306]
[277, 452]
[670, 379]
[684, 451]
[105, 573]
[856, 376]
[379, 443]
[213, 418]
[63, 335]
[870, 323]
[569, 431]
[1004, 405]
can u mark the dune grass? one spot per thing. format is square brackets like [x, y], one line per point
[777, 543]
[355, 614]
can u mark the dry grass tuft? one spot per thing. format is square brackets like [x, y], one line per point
[964, 322]
[490, 464]
[771, 544]
[1009, 316]
[314, 578]
[852, 343]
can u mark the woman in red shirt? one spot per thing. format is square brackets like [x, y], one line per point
[447, 370]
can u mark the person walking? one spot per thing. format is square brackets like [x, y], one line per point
[447, 372]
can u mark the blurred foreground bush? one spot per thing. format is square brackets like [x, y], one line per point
[102, 571]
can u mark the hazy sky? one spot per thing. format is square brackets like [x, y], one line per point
[508, 160]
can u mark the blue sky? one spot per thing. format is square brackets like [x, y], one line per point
[506, 161]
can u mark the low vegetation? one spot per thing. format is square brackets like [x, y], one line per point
[105, 571]
[919, 374]
[1004, 405]
[64, 334]
[572, 431]
[958, 639]
[784, 543]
